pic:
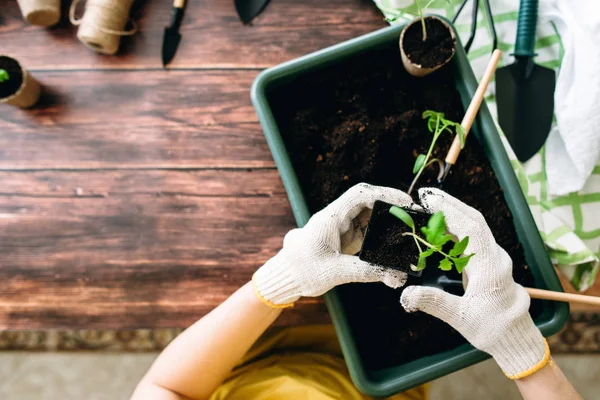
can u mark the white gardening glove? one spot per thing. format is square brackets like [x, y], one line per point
[311, 260]
[493, 313]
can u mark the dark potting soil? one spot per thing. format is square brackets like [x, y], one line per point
[11, 86]
[360, 121]
[431, 52]
[384, 242]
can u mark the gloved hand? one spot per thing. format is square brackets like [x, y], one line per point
[311, 263]
[493, 313]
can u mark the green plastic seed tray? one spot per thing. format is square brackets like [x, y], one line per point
[383, 383]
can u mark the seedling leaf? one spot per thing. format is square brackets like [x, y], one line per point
[421, 263]
[432, 114]
[441, 240]
[403, 216]
[460, 131]
[461, 263]
[436, 226]
[427, 252]
[433, 118]
[4, 77]
[459, 247]
[445, 265]
[419, 163]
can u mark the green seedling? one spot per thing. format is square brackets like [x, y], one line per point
[400, 14]
[437, 124]
[435, 239]
[421, 9]
[4, 77]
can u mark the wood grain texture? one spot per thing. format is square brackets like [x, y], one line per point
[133, 197]
[136, 119]
[133, 249]
[213, 36]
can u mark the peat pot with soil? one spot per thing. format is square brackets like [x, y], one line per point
[426, 44]
[352, 113]
[17, 87]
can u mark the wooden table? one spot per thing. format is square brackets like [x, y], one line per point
[134, 197]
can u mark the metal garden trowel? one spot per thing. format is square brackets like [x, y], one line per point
[525, 91]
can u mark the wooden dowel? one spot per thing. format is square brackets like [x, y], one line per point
[565, 297]
[471, 112]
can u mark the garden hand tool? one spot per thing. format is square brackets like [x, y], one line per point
[250, 9]
[311, 260]
[470, 114]
[172, 37]
[488, 15]
[493, 313]
[525, 91]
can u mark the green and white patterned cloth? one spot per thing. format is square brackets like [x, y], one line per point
[570, 224]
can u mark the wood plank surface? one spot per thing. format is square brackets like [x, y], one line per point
[213, 36]
[133, 197]
[106, 249]
[136, 119]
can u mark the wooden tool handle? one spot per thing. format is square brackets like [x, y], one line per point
[471, 113]
[565, 297]
[178, 3]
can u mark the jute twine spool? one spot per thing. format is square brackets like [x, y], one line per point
[28, 94]
[40, 12]
[103, 24]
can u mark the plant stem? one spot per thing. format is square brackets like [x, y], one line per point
[440, 164]
[426, 243]
[435, 137]
[422, 19]
[414, 235]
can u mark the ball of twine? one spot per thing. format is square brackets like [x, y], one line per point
[103, 23]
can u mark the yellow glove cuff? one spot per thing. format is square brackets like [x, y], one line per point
[535, 368]
[267, 302]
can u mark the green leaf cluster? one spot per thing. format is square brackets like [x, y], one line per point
[4, 76]
[436, 237]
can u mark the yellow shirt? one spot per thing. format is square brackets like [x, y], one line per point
[296, 363]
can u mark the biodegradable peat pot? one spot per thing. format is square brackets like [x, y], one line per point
[422, 57]
[21, 90]
[40, 12]
[351, 113]
[384, 244]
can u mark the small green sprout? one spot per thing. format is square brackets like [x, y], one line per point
[4, 77]
[418, 3]
[437, 124]
[435, 239]
[400, 14]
